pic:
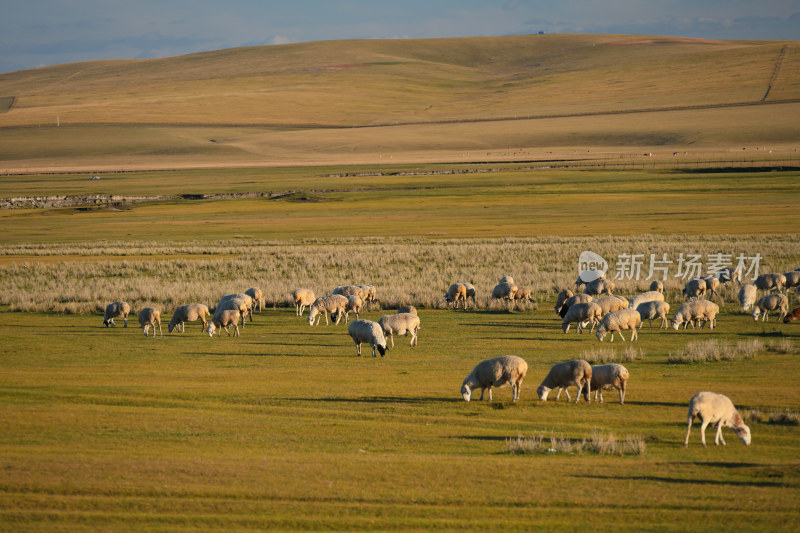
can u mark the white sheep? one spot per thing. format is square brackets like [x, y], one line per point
[792, 279]
[335, 304]
[504, 291]
[747, 296]
[150, 316]
[224, 318]
[608, 376]
[576, 372]
[652, 311]
[572, 300]
[496, 372]
[649, 296]
[369, 332]
[400, 324]
[369, 293]
[117, 309]
[348, 290]
[617, 322]
[354, 305]
[771, 302]
[507, 279]
[694, 288]
[241, 302]
[523, 294]
[408, 309]
[302, 299]
[717, 409]
[599, 286]
[770, 282]
[609, 304]
[257, 296]
[457, 292]
[580, 313]
[563, 296]
[695, 311]
[712, 284]
[470, 291]
[188, 313]
[657, 285]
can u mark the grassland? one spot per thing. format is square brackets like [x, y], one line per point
[407, 165]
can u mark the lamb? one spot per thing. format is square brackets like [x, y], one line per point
[334, 304]
[496, 372]
[716, 409]
[504, 291]
[224, 318]
[609, 304]
[712, 284]
[607, 376]
[408, 309]
[150, 316]
[117, 309]
[696, 310]
[563, 296]
[771, 302]
[367, 331]
[694, 288]
[653, 310]
[257, 296]
[581, 313]
[650, 296]
[523, 294]
[369, 293]
[576, 372]
[657, 285]
[747, 296]
[572, 300]
[241, 302]
[599, 286]
[791, 317]
[400, 324]
[188, 313]
[770, 282]
[617, 322]
[302, 299]
[457, 292]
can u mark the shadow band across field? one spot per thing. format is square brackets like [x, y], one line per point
[682, 481]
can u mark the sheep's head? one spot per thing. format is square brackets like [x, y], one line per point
[542, 392]
[676, 321]
[381, 349]
[743, 432]
[466, 392]
[108, 323]
[756, 312]
[600, 333]
[210, 329]
[312, 314]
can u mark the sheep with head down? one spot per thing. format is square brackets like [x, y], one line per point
[717, 409]
[302, 298]
[400, 324]
[581, 313]
[457, 292]
[369, 332]
[149, 317]
[771, 302]
[694, 289]
[695, 311]
[617, 322]
[116, 310]
[504, 291]
[769, 282]
[572, 300]
[576, 372]
[188, 313]
[335, 304]
[495, 372]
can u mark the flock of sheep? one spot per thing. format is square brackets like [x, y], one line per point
[596, 306]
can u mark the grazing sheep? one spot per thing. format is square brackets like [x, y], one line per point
[400, 324]
[608, 376]
[496, 372]
[150, 316]
[580, 313]
[117, 309]
[747, 296]
[369, 293]
[599, 286]
[792, 279]
[523, 294]
[302, 299]
[349, 290]
[572, 300]
[188, 313]
[770, 282]
[716, 409]
[617, 322]
[370, 332]
[224, 318]
[576, 372]
[257, 296]
[653, 310]
[241, 302]
[354, 304]
[408, 309]
[696, 310]
[457, 292]
[650, 296]
[771, 302]
[793, 316]
[507, 279]
[726, 275]
[563, 296]
[335, 304]
[712, 284]
[694, 288]
[470, 291]
[609, 304]
[504, 291]
[657, 286]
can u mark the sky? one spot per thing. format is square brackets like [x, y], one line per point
[36, 33]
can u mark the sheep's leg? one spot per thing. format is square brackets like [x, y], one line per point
[718, 438]
[599, 391]
[688, 430]
[634, 335]
[490, 393]
[621, 390]
[236, 331]
[594, 323]
[569, 398]
[226, 329]
[483, 389]
[391, 338]
[577, 394]
[160, 333]
[124, 319]
[358, 348]
[558, 395]
[145, 330]
[703, 427]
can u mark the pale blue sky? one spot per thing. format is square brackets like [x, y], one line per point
[47, 32]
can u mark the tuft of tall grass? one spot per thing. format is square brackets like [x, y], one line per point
[604, 355]
[714, 350]
[597, 443]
